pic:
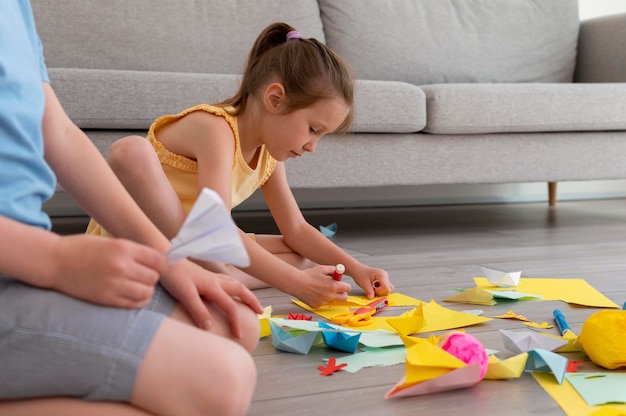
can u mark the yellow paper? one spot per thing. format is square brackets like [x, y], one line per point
[425, 361]
[436, 317]
[512, 367]
[265, 322]
[512, 315]
[576, 291]
[474, 296]
[571, 402]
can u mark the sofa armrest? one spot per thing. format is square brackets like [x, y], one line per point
[601, 54]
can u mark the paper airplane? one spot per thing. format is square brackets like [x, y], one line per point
[209, 233]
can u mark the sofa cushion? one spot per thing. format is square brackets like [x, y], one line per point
[519, 108]
[197, 36]
[388, 107]
[114, 99]
[454, 41]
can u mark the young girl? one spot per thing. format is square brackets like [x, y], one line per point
[293, 92]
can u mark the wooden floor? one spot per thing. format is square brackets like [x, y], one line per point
[430, 251]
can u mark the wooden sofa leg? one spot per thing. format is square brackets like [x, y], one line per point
[551, 193]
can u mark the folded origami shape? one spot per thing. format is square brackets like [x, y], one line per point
[209, 233]
[524, 341]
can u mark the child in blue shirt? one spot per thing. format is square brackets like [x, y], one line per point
[99, 319]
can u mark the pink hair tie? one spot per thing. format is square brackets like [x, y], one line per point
[294, 34]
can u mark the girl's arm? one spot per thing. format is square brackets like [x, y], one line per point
[84, 173]
[210, 141]
[307, 241]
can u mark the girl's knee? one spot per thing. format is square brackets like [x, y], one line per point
[129, 151]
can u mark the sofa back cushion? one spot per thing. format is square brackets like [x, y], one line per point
[201, 36]
[455, 41]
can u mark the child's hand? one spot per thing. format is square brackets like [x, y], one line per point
[317, 287]
[190, 284]
[112, 272]
[374, 282]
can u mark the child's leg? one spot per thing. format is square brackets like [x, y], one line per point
[189, 371]
[137, 166]
[62, 406]
[275, 245]
[83, 350]
[185, 371]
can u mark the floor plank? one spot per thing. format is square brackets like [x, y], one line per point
[430, 251]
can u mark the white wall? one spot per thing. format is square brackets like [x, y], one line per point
[594, 8]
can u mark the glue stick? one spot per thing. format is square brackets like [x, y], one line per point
[340, 269]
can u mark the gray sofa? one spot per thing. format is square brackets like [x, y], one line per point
[448, 91]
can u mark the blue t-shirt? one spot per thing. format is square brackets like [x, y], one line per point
[26, 180]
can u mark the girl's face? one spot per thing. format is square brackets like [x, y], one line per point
[293, 134]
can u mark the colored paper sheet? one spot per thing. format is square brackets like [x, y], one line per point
[571, 402]
[512, 367]
[575, 291]
[599, 388]
[544, 361]
[460, 378]
[571, 342]
[513, 295]
[430, 317]
[473, 296]
[373, 357]
[501, 278]
[481, 296]
[377, 322]
[434, 317]
[264, 322]
[524, 341]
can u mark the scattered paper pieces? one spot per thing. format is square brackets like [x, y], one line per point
[430, 317]
[512, 367]
[539, 325]
[599, 388]
[329, 230]
[264, 322]
[374, 357]
[524, 341]
[473, 296]
[500, 278]
[331, 368]
[430, 369]
[576, 291]
[512, 315]
[571, 402]
[480, 296]
[544, 361]
[209, 233]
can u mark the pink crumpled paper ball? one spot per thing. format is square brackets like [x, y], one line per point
[466, 348]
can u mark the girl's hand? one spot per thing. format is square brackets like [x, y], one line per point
[374, 282]
[112, 272]
[190, 284]
[317, 287]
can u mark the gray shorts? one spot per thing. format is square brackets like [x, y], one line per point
[55, 345]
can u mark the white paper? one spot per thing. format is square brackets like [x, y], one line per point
[500, 278]
[209, 233]
[524, 341]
